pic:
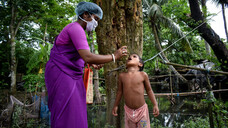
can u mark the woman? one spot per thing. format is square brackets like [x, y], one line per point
[64, 70]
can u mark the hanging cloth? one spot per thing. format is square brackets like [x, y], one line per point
[88, 82]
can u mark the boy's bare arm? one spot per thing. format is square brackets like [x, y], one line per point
[151, 95]
[149, 90]
[118, 96]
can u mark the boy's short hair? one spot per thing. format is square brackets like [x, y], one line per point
[141, 61]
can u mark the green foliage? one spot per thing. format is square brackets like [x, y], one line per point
[96, 116]
[36, 63]
[23, 55]
[34, 18]
[165, 103]
[155, 15]
[56, 16]
[34, 82]
[149, 50]
[36, 15]
[4, 65]
[197, 122]
[176, 11]
[19, 120]
[109, 126]
[220, 113]
[169, 32]
[156, 124]
[40, 57]
[221, 109]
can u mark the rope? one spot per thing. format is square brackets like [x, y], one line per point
[180, 38]
[123, 66]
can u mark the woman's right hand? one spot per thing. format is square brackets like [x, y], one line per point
[97, 66]
[121, 52]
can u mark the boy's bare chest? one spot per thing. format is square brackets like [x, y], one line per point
[133, 80]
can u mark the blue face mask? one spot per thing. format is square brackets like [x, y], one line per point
[91, 25]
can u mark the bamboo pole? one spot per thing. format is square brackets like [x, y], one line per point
[186, 93]
[182, 93]
[161, 76]
[210, 104]
[171, 86]
[191, 67]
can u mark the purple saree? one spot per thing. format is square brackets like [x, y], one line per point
[66, 91]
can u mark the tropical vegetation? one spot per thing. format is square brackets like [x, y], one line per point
[160, 31]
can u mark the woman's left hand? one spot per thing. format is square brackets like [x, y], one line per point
[97, 66]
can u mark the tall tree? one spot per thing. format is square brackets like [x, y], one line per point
[17, 15]
[204, 8]
[121, 25]
[19, 11]
[95, 72]
[208, 34]
[156, 18]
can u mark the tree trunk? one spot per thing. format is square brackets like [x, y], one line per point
[158, 46]
[121, 25]
[96, 87]
[208, 48]
[95, 74]
[224, 20]
[13, 51]
[13, 28]
[204, 7]
[209, 35]
[13, 66]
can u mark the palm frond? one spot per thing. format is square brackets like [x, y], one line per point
[168, 23]
[155, 11]
[33, 62]
[218, 2]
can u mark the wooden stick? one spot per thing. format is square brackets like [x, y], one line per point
[191, 67]
[186, 93]
[161, 76]
[182, 93]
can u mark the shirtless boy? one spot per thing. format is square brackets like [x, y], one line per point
[132, 85]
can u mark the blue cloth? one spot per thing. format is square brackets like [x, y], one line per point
[89, 7]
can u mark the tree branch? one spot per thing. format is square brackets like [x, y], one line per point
[19, 22]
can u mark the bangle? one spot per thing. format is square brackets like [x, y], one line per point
[113, 58]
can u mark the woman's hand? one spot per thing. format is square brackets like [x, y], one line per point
[121, 52]
[97, 66]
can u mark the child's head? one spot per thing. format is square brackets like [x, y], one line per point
[135, 59]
